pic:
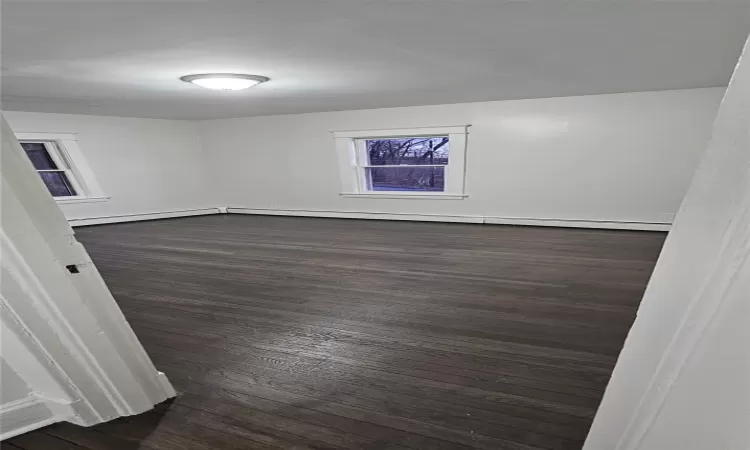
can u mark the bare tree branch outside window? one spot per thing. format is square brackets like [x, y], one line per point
[411, 164]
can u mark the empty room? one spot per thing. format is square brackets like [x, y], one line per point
[359, 224]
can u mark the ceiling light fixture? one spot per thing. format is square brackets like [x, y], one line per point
[224, 81]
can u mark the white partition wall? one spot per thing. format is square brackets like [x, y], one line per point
[70, 353]
[683, 378]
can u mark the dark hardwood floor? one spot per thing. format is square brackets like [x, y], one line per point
[304, 333]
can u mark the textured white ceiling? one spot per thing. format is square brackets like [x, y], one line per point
[125, 57]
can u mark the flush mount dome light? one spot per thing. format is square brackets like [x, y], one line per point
[224, 81]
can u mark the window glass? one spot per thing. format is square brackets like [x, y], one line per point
[57, 183]
[426, 150]
[38, 155]
[55, 178]
[410, 178]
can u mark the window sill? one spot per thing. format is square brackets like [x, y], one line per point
[66, 201]
[415, 196]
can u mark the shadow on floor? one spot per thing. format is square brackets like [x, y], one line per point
[125, 433]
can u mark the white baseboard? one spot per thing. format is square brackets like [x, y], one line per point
[602, 224]
[648, 226]
[24, 415]
[144, 216]
[356, 215]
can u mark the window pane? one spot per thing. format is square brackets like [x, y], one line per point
[407, 178]
[429, 150]
[58, 184]
[38, 155]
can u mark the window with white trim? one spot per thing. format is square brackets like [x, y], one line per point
[414, 163]
[52, 168]
[61, 166]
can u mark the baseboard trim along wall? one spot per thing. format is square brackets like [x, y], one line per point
[615, 225]
[142, 216]
[490, 220]
[24, 415]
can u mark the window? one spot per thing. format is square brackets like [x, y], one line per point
[406, 164]
[414, 163]
[61, 166]
[50, 166]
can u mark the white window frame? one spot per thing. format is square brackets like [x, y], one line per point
[64, 150]
[353, 162]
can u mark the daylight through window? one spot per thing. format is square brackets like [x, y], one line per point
[52, 168]
[406, 164]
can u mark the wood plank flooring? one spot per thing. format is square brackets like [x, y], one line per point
[303, 333]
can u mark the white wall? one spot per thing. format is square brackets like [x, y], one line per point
[144, 165]
[12, 386]
[682, 380]
[707, 406]
[623, 157]
[620, 158]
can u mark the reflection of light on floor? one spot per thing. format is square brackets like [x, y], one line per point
[342, 346]
[335, 346]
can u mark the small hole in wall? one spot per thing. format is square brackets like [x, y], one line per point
[72, 268]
